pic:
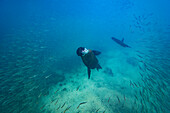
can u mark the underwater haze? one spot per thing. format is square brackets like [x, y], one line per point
[40, 71]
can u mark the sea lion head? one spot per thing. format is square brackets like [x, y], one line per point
[81, 51]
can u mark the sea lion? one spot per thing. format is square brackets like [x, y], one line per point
[89, 59]
[120, 42]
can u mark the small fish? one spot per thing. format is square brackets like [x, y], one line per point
[104, 111]
[124, 98]
[141, 68]
[67, 109]
[42, 107]
[39, 95]
[134, 101]
[141, 102]
[131, 84]
[135, 17]
[141, 74]
[108, 99]
[154, 107]
[140, 93]
[52, 101]
[47, 76]
[136, 97]
[139, 56]
[148, 23]
[139, 52]
[58, 107]
[63, 105]
[56, 90]
[135, 84]
[56, 102]
[142, 109]
[118, 99]
[143, 80]
[150, 89]
[81, 104]
[97, 110]
[78, 88]
[139, 84]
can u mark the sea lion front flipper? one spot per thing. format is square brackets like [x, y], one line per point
[98, 67]
[89, 72]
[96, 52]
[122, 39]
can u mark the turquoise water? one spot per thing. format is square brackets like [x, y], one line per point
[41, 72]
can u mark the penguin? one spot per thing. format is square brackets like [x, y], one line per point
[88, 57]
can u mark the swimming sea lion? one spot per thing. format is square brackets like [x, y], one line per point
[120, 42]
[89, 59]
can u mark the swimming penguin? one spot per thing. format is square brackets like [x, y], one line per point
[89, 59]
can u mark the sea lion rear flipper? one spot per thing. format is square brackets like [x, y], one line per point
[96, 52]
[89, 72]
[98, 67]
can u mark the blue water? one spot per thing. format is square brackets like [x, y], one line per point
[38, 43]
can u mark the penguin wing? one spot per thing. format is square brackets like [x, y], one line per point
[96, 52]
